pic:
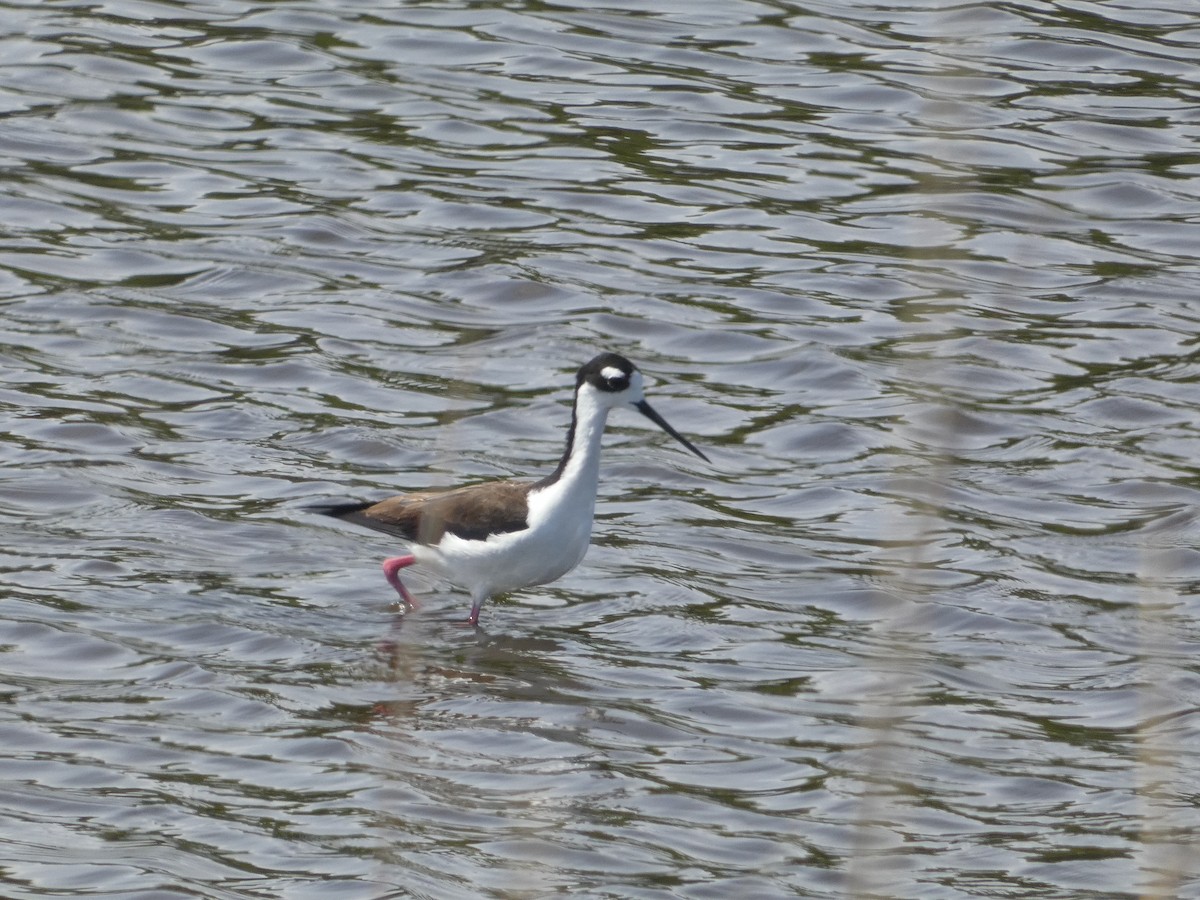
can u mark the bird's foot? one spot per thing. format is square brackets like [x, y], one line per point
[391, 571]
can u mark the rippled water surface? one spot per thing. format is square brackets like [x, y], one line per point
[921, 280]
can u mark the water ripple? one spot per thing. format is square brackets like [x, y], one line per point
[920, 280]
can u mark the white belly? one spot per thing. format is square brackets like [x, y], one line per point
[555, 541]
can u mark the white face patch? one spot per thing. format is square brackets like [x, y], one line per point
[608, 373]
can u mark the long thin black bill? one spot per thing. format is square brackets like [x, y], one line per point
[648, 411]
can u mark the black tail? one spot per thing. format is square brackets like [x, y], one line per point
[354, 513]
[339, 510]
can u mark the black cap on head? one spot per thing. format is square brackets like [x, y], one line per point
[611, 373]
[608, 372]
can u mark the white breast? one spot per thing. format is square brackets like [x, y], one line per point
[555, 541]
[559, 523]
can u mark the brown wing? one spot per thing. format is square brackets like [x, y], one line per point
[471, 513]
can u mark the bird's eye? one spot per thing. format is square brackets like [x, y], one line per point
[614, 379]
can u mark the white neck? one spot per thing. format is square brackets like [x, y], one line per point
[582, 465]
[578, 472]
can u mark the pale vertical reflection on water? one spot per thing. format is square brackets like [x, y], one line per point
[922, 280]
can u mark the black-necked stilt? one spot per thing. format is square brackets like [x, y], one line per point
[501, 536]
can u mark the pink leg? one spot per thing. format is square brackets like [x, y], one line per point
[473, 618]
[391, 570]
